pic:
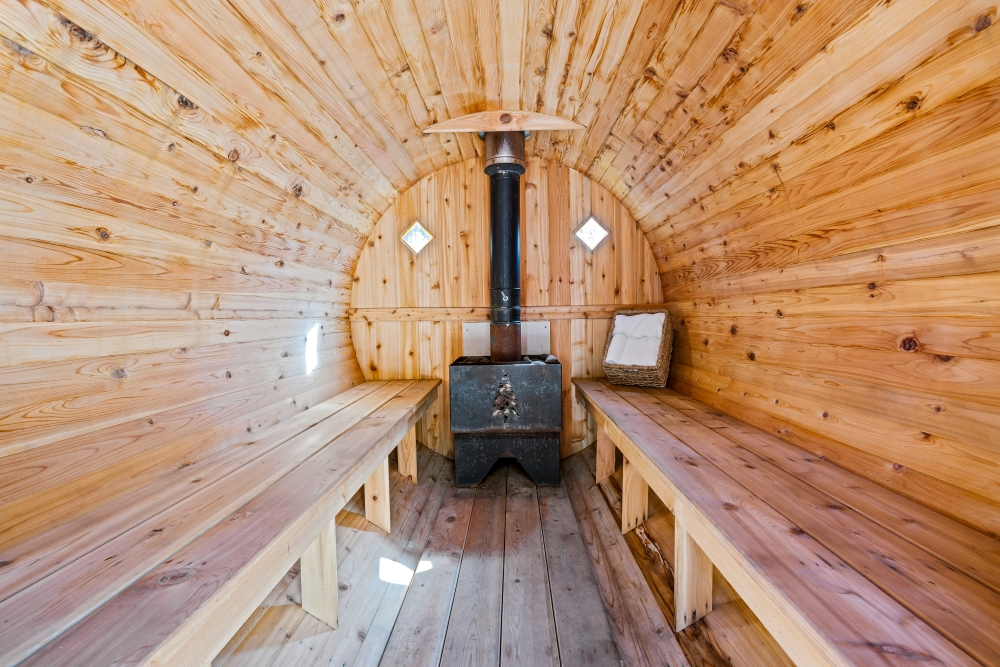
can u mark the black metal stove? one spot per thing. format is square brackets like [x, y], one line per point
[506, 404]
[509, 408]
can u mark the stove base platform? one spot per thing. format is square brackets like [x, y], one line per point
[476, 453]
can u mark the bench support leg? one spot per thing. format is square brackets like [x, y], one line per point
[692, 579]
[406, 455]
[319, 577]
[605, 456]
[635, 498]
[377, 496]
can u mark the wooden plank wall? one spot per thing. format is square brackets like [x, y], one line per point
[156, 295]
[841, 287]
[408, 315]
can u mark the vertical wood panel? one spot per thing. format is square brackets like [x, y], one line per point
[453, 271]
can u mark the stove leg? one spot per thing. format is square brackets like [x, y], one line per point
[377, 496]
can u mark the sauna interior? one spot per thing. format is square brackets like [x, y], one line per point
[229, 434]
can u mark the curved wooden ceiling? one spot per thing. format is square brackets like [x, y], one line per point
[689, 105]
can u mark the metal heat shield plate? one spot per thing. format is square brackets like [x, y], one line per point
[536, 387]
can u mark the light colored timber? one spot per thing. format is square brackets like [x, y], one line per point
[482, 314]
[367, 603]
[754, 550]
[473, 632]
[731, 629]
[64, 539]
[692, 579]
[111, 565]
[418, 635]
[942, 597]
[406, 310]
[582, 627]
[527, 625]
[125, 458]
[319, 576]
[605, 456]
[639, 626]
[377, 496]
[504, 121]
[635, 498]
[276, 526]
[965, 549]
[406, 455]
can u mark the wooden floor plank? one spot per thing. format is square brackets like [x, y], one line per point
[473, 636]
[418, 636]
[376, 637]
[582, 627]
[528, 633]
[641, 631]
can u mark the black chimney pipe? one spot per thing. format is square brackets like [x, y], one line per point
[504, 166]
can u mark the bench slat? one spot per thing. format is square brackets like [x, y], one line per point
[964, 548]
[959, 607]
[187, 607]
[819, 609]
[42, 555]
[41, 612]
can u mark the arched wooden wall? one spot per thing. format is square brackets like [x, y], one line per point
[844, 292]
[155, 299]
[408, 311]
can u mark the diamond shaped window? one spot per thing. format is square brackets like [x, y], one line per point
[592, 233]
[416, 238]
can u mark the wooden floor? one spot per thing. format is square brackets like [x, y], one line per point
[495, 575]
[506, 574]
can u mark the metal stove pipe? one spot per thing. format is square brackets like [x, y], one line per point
[504, 166]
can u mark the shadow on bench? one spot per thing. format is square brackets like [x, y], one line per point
[168, 573]
[838, 569]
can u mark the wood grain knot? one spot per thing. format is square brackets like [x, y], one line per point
[505, 118]
[176, 577]
[909, 344]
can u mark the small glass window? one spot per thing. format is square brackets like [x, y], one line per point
[416, 238]
[592, 233]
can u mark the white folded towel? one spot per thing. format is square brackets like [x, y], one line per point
[636, 340]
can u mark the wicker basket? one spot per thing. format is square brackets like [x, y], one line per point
[642, 376]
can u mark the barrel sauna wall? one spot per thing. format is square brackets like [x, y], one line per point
[407, 311]
[156, 296]
[832, 266]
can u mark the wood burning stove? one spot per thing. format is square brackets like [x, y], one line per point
[508, 408]
[506, 404]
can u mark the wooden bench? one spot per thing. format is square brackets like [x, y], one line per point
[167, 574]
[840, 570]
